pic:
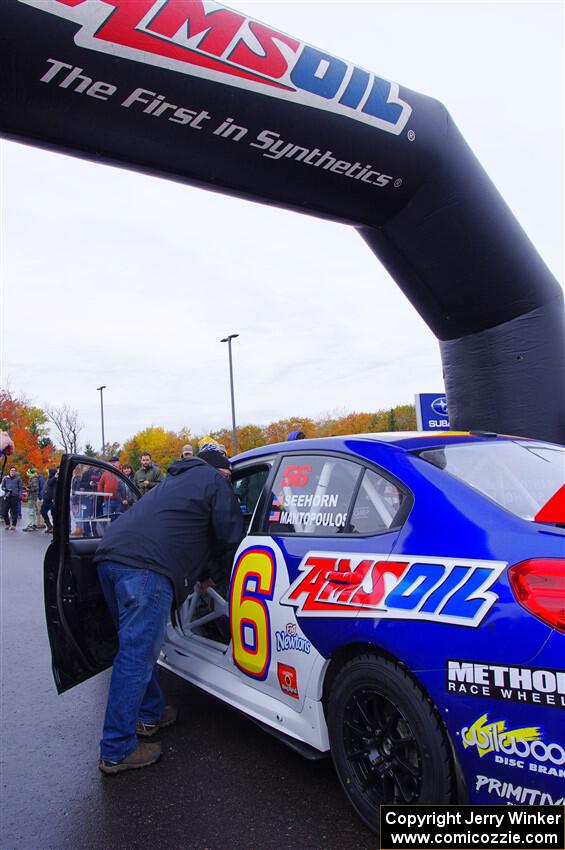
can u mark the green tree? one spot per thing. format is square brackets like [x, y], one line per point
[89, 451]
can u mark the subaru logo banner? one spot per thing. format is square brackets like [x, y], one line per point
[431, 412]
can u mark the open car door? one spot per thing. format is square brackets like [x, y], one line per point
[90, 496]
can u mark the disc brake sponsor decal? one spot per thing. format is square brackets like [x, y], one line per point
[445, 590]
[528, 685]
[205, 39]
[523, 748]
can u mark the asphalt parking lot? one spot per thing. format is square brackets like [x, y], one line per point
[222, 783]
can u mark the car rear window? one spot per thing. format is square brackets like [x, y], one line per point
[520, 476]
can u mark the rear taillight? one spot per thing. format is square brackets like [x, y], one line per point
[539, 586]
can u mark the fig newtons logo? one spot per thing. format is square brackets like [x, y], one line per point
[204, 39]
[528, 685]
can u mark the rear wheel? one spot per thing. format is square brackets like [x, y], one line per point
[387, 742]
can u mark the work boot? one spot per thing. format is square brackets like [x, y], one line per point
[143, 755]
[146, 730]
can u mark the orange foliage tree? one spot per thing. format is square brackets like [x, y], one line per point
[248, 437]
[27, 426]
[277, 432]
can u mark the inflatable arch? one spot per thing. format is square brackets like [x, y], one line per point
[196, 92]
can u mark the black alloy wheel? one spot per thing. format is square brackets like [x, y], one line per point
[383, 753]
[387, 742]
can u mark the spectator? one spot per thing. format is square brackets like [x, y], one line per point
[296, 435]
[76, 487]
[32, 499]
[48, 506]
[39, 519]
[88, 502]
[12, 489]
[108, 484]
[128, 471]
[126, 495]
[149, 475]
[186, 451]
[147, 560]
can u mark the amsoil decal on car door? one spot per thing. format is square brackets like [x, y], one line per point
[268, 645]
[440, 590]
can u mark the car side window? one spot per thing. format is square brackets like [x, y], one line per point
[376, 506]
[248, 486]
[98, 497]
[312, 494]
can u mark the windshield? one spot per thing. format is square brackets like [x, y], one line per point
[521, 477]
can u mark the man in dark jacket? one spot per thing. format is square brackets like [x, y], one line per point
[48, 505]
[12, 487]
[150, 557]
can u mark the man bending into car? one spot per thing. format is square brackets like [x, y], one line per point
[148, 560]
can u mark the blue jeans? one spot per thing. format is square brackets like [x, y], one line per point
[139, 602]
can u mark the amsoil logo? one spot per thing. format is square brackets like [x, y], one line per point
[446, 590]
[204, 39]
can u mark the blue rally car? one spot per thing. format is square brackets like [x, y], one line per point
[398, 600]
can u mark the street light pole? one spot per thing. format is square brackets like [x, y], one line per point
[228, 339]
[101, 391]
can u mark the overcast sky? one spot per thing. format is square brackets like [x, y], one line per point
[110, 277]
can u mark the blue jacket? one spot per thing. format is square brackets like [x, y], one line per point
[12, 486]
[178, 526]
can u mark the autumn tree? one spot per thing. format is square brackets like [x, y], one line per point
[352, 423]
[248, 437]
[27, 426]
[163, 446]
[277, 432]
[405, 417]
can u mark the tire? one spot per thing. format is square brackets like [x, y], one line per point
[387, 741]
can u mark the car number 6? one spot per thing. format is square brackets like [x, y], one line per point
[252, 586]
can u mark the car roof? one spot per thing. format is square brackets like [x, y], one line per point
[408, 441]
